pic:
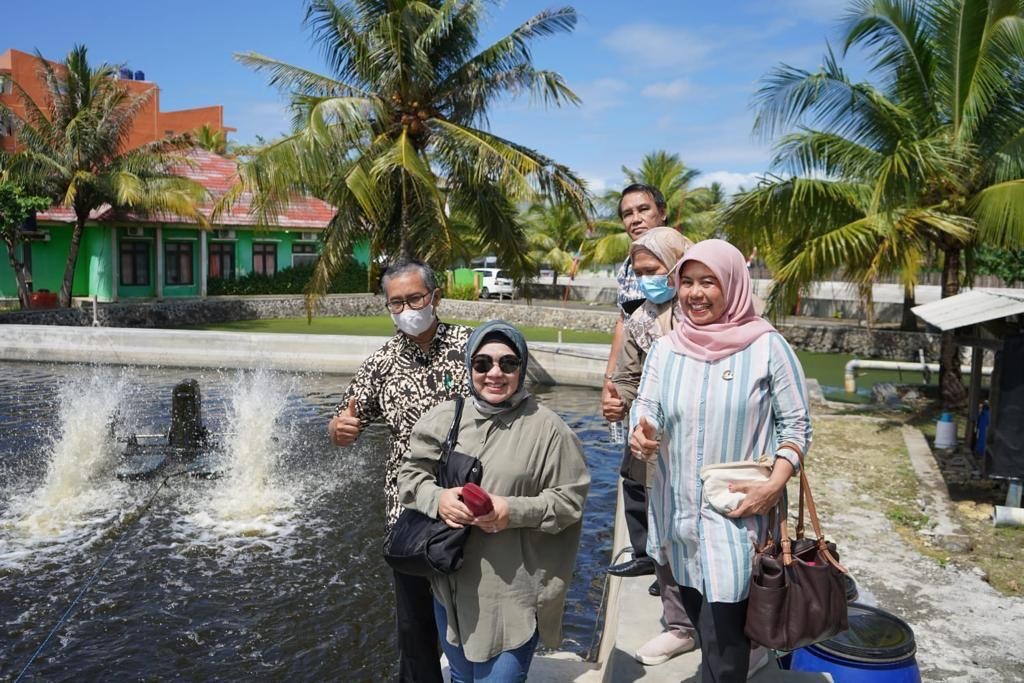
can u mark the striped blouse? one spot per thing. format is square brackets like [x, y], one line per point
[735, 408]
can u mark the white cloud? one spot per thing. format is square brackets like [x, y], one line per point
[672, 90]
[601, 94]
[730, 181]
[657, 46]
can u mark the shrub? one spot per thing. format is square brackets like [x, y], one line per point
[462, 292]
[351, 278]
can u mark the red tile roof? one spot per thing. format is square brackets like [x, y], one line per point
[217, 174]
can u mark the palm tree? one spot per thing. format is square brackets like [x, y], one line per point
[205, 137]
[395, 136]
[559, 237]
[876, 176]
[73, 151]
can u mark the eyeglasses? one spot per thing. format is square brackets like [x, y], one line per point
[507, 364]
[414, 302]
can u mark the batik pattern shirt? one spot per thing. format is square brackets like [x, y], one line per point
[629, 287]
[399, 383]
[708, 412]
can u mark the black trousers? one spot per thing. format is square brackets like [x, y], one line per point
[724, 648]
[419, 660]
[634, 504]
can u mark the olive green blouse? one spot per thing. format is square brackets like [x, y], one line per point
[514, 582]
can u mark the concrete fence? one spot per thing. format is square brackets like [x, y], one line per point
[804, 334]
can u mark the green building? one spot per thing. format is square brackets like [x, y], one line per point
[125, 256]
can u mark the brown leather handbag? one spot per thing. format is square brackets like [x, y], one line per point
[797, 588]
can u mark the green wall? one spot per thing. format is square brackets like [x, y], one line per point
[96, 262]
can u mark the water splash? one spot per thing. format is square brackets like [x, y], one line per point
[251, 500]
[82, 451]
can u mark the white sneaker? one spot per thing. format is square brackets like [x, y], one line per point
[663, 647]
[759, 659]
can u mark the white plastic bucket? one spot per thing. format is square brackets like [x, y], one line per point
[945, 434]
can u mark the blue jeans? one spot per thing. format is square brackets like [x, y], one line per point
[505, 667]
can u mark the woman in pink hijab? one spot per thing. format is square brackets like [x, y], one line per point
[724, 386]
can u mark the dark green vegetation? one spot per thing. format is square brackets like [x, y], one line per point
[919, 163]
[350, 278]
[395, 135]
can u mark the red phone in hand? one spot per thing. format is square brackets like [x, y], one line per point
[477, 500]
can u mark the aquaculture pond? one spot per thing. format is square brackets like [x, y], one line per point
[271, 571]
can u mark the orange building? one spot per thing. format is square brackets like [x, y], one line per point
[150, 124]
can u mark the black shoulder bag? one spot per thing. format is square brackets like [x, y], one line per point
[421, 545]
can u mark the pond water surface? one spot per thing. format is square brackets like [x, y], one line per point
[271, 571]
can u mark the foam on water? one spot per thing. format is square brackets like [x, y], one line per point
[251, 500]
[77, 489]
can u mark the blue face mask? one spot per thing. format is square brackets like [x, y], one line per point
[656, 288]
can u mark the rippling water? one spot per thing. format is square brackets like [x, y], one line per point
[272, 571]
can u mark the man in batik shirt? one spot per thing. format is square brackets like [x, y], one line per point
[421, 366]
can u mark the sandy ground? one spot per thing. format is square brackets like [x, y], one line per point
[965, 629]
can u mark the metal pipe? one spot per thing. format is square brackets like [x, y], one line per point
[1008, 516]
[850, 379]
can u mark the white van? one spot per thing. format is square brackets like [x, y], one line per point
[495, 282]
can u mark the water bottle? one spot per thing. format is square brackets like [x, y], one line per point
[616, 432]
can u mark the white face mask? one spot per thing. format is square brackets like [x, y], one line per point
[414, 323]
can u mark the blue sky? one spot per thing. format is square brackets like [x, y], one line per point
[677, 75]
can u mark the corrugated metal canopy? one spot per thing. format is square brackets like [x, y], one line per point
[970, 308]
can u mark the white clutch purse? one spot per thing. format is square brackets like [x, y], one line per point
[717, 478]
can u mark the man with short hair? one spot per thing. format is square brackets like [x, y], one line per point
[641, 208]
[421, 366]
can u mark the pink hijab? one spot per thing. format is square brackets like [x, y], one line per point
[739, 325]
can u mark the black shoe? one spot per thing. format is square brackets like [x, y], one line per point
[638, 566]
[654, 589]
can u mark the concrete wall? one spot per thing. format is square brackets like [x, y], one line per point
[826, 338]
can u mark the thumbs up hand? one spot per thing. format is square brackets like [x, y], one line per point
[612, 407]
[344, 428]
[643, 442]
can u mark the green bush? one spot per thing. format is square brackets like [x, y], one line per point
[352, 278]
[462, 292]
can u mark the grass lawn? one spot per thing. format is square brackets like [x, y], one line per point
[381, 326]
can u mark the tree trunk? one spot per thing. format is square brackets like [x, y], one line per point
[64, 298]
[951, 388]
[19, 273]
[908, 323]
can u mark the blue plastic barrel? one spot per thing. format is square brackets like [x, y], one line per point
[877, 648]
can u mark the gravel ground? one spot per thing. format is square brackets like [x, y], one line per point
[865, 488]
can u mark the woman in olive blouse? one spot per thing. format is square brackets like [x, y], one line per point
[518, 561]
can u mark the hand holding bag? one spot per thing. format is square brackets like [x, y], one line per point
[421, 545]
[797, 588]
[716, 480]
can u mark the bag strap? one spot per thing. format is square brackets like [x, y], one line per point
[787, 547]
[453, 432]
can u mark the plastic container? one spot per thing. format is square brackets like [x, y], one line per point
[945, 432]
[877, 648]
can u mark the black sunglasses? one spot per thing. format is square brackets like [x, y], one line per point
[506, 364]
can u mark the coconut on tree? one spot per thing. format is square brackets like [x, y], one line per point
[872, 176]
[73, 149]
[395, 134]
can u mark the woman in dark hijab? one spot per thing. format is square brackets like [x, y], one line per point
[517, 563]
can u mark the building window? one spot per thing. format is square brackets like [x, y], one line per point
[222, 260]
[178, 263]
[264, 258]
[134, 263]
[303, 254]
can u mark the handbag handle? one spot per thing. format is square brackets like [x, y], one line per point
[453, 432]
[787, 547]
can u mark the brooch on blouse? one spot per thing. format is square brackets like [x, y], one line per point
[727, 375]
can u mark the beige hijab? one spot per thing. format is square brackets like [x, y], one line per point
[651, 321]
